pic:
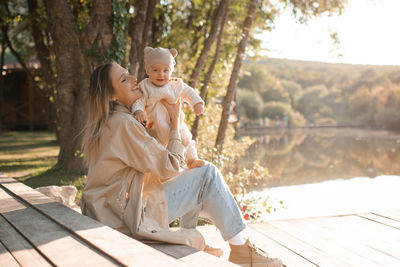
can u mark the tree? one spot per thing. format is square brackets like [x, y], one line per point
[2, 55]
[47, 73]
[207, 78]
[73, 49]
[145, 38]
[294, 89]
[250, 104]
[217, 21]
[310, 102]
[137, 33]
[279, 110]
[231, 89]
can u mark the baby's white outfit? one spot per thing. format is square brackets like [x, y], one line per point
[157, 114]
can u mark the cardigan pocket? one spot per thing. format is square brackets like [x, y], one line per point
[119, 202]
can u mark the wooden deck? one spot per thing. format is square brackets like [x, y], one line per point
[358, 240]
[35, 231]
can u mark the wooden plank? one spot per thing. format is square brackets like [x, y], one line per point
[329, 237]
[380, 219]
[190, 255]
[350, 235]
[316, 238]
[309, 251]
[390, 214]
[54, 242]
[378, 236]
[127, 250]
[20, 249]
[6, 259]
[358, 235]
[276, 250]
[289, 258]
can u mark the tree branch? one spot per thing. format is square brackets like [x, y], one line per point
[101, 13]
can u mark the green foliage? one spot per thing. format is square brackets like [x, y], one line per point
[81, 10]
[118, 45]
[293, 89]
[269, 87]
[275, 110]
[237, 178]
[333, 94]
[274, 91]
[250, 104]
[279, 110]
[388, 118]
[324, 121]
[310, 102]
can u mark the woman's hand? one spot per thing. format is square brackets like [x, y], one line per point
[174, 111]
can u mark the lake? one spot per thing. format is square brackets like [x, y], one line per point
[326, 171]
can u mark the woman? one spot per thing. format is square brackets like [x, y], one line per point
[137, 186]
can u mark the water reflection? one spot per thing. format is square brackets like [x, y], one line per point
[314, 155]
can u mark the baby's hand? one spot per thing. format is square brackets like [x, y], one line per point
[139, 116]
[198, 108]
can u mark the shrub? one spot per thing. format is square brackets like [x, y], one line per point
[388, 118]
[279, 110]
[249, 104]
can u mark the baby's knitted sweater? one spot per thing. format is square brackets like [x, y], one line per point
[156, 113]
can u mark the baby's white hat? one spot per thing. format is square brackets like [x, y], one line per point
[159, 55]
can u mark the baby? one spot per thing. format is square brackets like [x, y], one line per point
[159, 64]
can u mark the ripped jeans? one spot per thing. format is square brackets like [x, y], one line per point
[202, 192]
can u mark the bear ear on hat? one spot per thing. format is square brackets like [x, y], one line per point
[147, 49]
[173, 52]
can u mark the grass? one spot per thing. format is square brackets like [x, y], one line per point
[30, 157]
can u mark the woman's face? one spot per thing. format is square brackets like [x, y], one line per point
[126, 91]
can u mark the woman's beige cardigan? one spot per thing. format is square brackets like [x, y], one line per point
[123, 188]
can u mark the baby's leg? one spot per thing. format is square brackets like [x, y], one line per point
[192, 159]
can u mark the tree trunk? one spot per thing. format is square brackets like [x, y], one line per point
[98, 30]
[19, 59]
[145, 38]
[43, 55]
[208, 42]
[72, 82]
[3, 50]
[231, 89]
[137, 36]
[42, 50]
[207, 78]
[73, 66]
[199, 30]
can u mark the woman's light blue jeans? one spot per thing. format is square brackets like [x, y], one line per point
[203, 192]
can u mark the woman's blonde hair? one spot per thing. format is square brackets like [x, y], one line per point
[99, 109]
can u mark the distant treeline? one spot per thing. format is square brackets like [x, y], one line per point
[318, 93]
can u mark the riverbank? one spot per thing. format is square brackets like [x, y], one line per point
[253, 130]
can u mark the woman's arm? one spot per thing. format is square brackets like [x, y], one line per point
[137, 149]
